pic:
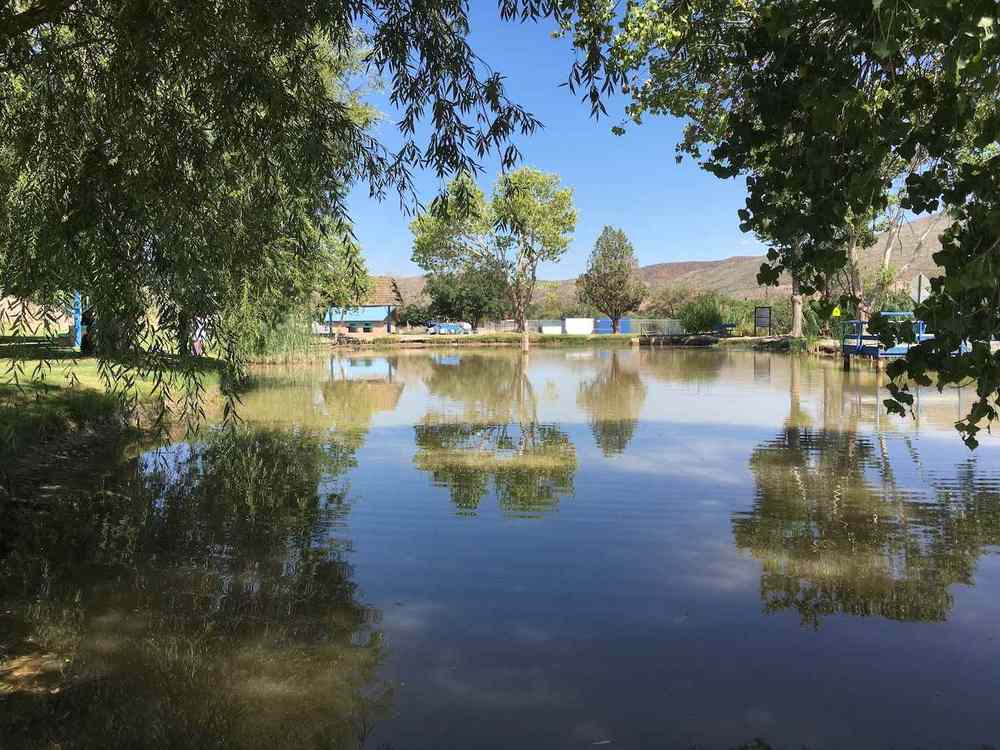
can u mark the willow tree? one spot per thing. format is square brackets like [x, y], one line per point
[529, 220]
[181, 157]
[611, 282]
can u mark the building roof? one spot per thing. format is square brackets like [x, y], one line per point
[363, 314]
[382, 292]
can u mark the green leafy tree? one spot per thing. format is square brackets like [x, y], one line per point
[824, 108]
[529, 220]
[610, 282]
[281, 320]
[472, 294]
[414, 314]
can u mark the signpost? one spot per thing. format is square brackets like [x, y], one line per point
[762, 319]
[920, 288]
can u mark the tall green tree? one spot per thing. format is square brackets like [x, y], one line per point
[529, 220]
[611, 282]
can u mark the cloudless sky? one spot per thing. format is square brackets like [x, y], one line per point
[670, 211]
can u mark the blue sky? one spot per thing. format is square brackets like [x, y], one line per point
[669, 211]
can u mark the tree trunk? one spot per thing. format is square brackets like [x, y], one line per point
[616, 324]
[110, 340]
[854, 275]
[183, 334]
[796, 331]
[796, 308]
[522, 325]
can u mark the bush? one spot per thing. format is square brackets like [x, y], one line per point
[703, 313]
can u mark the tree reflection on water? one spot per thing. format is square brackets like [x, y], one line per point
[837, 534]
[202, 600]
[494, 439]
[613, 399]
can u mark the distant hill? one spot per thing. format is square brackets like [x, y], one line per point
[737, 276]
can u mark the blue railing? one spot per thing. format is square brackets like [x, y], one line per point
[859, 341]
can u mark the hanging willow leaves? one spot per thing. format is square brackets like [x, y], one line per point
[176, 162]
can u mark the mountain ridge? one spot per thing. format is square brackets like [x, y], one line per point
[736, 276]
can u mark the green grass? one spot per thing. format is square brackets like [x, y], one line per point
[57, 393]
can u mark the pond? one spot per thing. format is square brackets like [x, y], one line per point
[627, 548]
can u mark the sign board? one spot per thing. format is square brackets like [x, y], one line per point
[762, 317]
[836, 312]
[920, 288]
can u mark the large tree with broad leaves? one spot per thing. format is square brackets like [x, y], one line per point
[833, 112]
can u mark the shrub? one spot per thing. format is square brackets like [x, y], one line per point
[703, 313]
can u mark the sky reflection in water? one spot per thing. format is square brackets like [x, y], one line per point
[475, 549]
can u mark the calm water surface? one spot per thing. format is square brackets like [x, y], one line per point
[633, 549]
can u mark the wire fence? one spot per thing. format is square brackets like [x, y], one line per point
[656, 327]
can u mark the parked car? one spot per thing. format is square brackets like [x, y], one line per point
[448, 329]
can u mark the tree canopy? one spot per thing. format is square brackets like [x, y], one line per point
[610, 282]
[529, 220]
[179, 157]
[163, 155]
[827, 109]
[472, 295]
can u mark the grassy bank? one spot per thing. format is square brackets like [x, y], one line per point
[58, 408]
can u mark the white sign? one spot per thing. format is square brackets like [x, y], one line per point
[920, 288]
